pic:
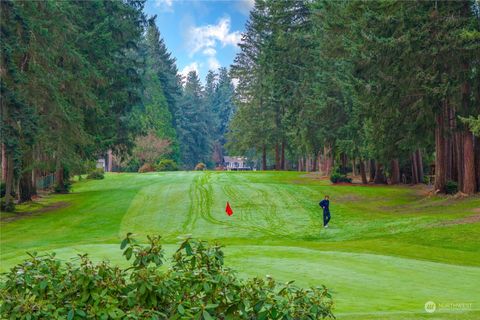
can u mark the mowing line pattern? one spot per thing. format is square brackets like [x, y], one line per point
[387, 250]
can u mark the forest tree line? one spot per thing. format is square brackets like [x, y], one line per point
[390, 89]
[80, 79]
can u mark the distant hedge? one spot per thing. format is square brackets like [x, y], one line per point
[196, 286]
[97, 174]
[147, 167]
[338, 177]
[167, 165]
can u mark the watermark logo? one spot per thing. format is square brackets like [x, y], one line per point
[430, 307]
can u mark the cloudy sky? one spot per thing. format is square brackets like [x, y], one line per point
[201, 34]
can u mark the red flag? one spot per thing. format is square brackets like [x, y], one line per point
[228, 209]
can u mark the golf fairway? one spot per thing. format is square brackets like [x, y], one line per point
[387, 252]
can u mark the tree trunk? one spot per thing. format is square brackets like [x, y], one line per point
[362, 172]
[413, 158]
[469, 184]
[9, 181]
[449, 113]
[420, 174]
[277, 157]
[395, 169]
[26, 189]
[282, 160]
[448, 158]
[379, 176]
[4, 163]
[328, 159]
[264, 158]
[34, 180]
[354, 169]
[455, 157]
[314, 163]
[440, 168]
[59, 179]
[476, 149]
[110, 157]
[319, 162]
[460, 159]
[372, 170]
[343, 158]
[16, 184]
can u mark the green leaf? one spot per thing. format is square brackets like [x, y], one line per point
[70, 314]
[181, 309]
[128, 253]
[207, 315]
[124, 243]
[81, 313]
[43, 284]
[188, 249]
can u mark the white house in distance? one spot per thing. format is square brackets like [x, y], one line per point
[235, 163]
[101, 164]
[106, 163]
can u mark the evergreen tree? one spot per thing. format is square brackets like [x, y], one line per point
[70, 92]
[223, 111]
[158, 113]
[192, 124]
[165, 67]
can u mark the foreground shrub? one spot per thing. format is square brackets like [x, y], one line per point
[147, 167]
[7, 207]
[65, 188]
[196, 286]
[131, 165]
[338, 177]
[451, 187]
[200, 166]
[97, 174]
[167, 165]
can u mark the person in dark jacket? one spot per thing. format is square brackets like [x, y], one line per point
[325, 205]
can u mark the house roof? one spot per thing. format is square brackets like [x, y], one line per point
[234, 159]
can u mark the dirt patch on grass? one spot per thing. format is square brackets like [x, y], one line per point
[48, 208]
[466, 220]
[315, 175]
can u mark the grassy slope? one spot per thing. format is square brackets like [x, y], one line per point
[388, 250]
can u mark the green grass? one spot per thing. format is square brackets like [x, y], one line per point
[388, 249]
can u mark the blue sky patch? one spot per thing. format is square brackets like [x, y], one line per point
[201, 34]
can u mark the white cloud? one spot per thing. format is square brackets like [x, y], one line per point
[206, 38]
[199, 38]
[164, 5]
[191, 67]
[209, 52]
[213, 63]
[244, 6]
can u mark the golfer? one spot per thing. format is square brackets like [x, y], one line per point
[324, 204]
